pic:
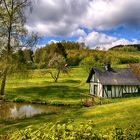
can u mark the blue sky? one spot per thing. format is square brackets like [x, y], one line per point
[103, 23]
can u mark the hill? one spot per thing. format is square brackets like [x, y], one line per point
[134, 47]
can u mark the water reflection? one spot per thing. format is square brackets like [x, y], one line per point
[24, 111]
[16, 110]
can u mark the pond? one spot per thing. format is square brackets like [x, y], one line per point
[24, 110]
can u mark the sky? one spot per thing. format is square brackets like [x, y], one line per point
[102, 23]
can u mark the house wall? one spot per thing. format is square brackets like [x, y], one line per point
[118, 91]
[95, 83]
[96, 88]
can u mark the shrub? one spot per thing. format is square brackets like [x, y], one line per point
[89, 63]
[19, 100]
[71, 131]
[42, 65]
[127, 60]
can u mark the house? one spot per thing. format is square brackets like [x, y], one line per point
[112, 82]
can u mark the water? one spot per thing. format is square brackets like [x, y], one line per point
[24, 110]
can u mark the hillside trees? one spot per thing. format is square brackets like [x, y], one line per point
[13, 35]
[89, 63]
[69, 50]
[43, 55]
[28, 55]
[69, 45]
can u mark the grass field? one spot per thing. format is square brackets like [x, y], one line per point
[39, 86]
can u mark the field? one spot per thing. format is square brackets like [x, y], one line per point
[39, 86]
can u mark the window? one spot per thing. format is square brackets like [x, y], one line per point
[139, 89]
[108, 88]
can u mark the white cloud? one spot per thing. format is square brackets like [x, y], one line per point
[62, 17]
[70, 17]
[53, 41]
[96, 39]
[79, 32]
[56, 17]
[104, 14]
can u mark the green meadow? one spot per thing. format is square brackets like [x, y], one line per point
[38, 86]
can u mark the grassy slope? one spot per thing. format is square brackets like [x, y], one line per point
[40, 86]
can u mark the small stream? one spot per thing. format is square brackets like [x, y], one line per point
[24, 110]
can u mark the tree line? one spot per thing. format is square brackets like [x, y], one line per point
[75, 55]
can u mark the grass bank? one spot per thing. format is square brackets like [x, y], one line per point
[118, 114]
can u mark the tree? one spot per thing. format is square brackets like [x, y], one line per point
[58, 65]
[61, 50]
[13, 35]
[44, 54]
[88, 63]
[28, 55]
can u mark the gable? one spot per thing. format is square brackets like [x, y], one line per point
[94, 78]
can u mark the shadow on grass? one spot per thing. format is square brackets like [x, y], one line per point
[70, 81]
[62, 82]
[52, 91]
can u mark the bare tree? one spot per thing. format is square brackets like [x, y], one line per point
[57, 65]
[13, 34]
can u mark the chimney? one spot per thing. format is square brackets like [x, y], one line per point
[108, 67]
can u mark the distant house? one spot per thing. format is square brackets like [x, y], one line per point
[112, 82]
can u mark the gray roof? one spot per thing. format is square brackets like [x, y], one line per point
[115, 76]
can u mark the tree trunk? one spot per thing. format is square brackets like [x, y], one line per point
[56, 79]
[3, 83]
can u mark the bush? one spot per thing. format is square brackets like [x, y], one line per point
[127, 60]
[71, 131]
[74, 60]
[89, 63]
[19, 100]
[42, 65]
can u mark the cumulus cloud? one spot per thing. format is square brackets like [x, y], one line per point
[62, 17]
[79, 32]
[71, 17]
[104, 14]
[56, 17]
[96, 39]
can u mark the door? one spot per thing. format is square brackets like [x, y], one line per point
[95, 90]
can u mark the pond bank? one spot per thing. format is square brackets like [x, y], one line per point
[13, 110]
[44, 102]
